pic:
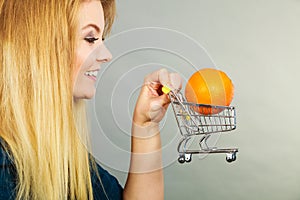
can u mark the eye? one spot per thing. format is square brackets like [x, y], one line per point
[91, 39]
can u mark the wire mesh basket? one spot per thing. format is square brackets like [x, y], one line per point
[215, 119]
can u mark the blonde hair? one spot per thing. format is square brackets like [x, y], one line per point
[45, 130]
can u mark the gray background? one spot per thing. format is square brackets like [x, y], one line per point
[257, 44]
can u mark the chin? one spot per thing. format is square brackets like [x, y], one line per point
[89, 95]
[85, 95]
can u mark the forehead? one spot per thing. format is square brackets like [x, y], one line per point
[91, 12]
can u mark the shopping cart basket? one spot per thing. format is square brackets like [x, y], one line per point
[192, 123]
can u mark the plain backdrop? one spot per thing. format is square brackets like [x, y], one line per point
[257, 43]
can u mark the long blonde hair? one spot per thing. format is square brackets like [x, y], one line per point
[44, 129]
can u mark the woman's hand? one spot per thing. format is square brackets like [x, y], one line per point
[152, 103]
[146, 157]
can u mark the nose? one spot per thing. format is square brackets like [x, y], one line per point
[104, 54]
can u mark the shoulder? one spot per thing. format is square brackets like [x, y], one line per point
[7, 175]
[107, 187]
[4, 159]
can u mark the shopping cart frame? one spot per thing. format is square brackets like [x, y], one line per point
[191, 123]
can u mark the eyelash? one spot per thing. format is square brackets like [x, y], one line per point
[91, 39]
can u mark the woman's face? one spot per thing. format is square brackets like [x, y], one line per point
[90, 52]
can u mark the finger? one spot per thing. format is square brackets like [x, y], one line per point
[161, 76]
[176, 80]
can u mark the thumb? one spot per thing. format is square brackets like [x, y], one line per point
[158, 108]
[159, 102]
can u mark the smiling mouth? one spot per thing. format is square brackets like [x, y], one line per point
[92, 74]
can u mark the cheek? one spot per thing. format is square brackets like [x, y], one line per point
[79, 59]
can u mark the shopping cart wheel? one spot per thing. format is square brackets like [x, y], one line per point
[181, 159]
[230, 157]
[188, 157]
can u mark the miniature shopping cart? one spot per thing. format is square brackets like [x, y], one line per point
[192, 124]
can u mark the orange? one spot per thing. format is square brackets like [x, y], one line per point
[209, 86]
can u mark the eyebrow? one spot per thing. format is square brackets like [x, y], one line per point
[92, 25]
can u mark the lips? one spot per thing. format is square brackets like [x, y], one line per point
[92, 74]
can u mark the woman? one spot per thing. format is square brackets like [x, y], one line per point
[47, 72]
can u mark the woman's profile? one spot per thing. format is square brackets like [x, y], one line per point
[47, 74]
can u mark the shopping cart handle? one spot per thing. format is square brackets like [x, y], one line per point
[166, 90]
